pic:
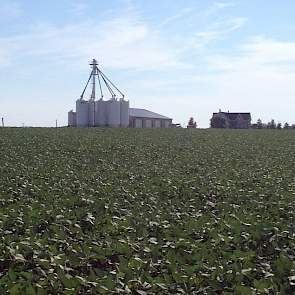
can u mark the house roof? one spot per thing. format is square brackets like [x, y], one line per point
[233, 116]
[142, 113]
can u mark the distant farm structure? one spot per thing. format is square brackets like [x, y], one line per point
[113, 112]
[231, 120]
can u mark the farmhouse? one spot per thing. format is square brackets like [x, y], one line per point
[231, 120]
[112, 112]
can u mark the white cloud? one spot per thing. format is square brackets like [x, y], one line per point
[180, 15]
[123, 42]
[270, 51]
[222, 5]
[259, 54]
[217, 7]
[234, 24]
[260, 78]
[217, 31]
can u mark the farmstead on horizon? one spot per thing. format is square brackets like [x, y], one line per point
[114, 112]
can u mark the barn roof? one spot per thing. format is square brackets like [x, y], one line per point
[233, 116]
[142, 113]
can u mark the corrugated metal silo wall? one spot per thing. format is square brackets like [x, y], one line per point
[124, 113]
[113, 113]
[92, 113]
[82, 113]
[101, 113]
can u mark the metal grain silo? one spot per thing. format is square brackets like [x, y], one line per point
[72, 119]
[100, 113]
[92, 113]
[82, 113]
[113, 113]
[124, 113]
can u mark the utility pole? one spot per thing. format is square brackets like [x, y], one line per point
[2, 122]
[55, 123]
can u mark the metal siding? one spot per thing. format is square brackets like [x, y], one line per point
[72, 119]
[124, 113]
[157, 124]
[100, 113]
[167, 123]
[138, 123]
[148, 123]
[113, 113]
[82, 109]
[92, 106]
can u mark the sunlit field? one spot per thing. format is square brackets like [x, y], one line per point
[125, 211]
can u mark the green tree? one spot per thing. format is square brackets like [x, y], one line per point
[286, 125]
[192, 123]
[259, 124]
[271, 124]
[279, 126]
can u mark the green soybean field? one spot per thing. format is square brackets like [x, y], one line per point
[150, 211]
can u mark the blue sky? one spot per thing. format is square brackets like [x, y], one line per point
[178, 58]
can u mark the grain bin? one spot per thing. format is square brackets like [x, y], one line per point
[82, 110]
[72, 119]
[113, 113]
[92, 113]
[100, 113]
[124, 113]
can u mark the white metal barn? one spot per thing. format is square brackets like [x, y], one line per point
[140, 118]
[115, 111]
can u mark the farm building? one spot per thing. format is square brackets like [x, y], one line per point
[114, 112]
[140, 118]
[231, 120]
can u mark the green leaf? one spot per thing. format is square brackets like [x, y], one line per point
[15, 290]
[242, 290]
[30, 290]
[12, 275]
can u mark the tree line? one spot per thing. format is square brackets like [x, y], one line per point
[272, 125]
[219, 122]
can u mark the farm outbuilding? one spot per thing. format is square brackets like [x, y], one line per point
[141, 118]
[113, 112]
